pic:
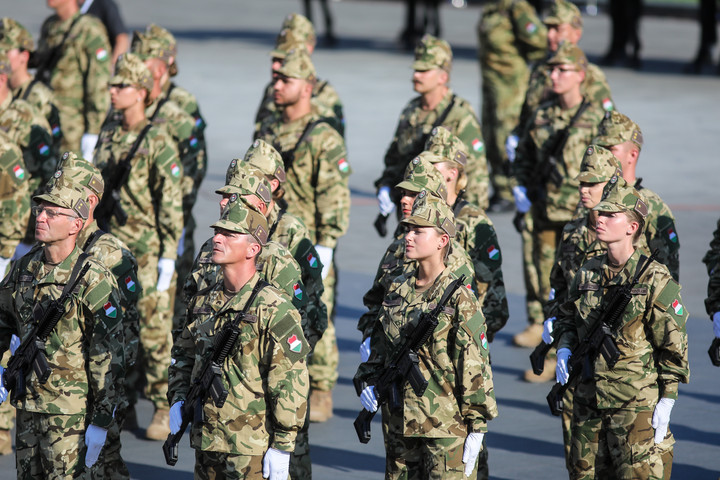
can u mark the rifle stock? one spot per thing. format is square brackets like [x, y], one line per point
[537, 357]
[714, 352]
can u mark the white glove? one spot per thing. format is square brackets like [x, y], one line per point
[547, 330]
[276, 464]
[3, 390]
[181, 243]
[176, 417]
[716, 324]
[522, 202]
[365, 350]
[368, 399]
[326, 256]
[14, 343]
[511, 145]
[473, 445]
[561, 370]
[94, 440]
[661, 418]
[87, 145]
[21, 250]
[166, 268]
[386, 205]
[4, 264]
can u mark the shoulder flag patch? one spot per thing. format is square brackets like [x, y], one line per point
[297, 291]
[110, 311]
[477, 145]
[19, 172]
[101, 54]
[672, 235]
[530, 28]
[295, 344]
[483, 340]
[312, 260]
[343, 165]
[43, 149]
[175, 170]
[677, 306]
[607, 105]
[129, 284]
[493, 252]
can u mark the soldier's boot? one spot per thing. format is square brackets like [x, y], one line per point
[530, 337]
[5, 442]
[321, 406]
[159, 428]
[547, 374]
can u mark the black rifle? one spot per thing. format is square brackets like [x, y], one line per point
[404, 366]
[31, 352]
[599, 341]
[209, 383]
[537, 357]
[714, 352]
[381, 224]
[46, 61]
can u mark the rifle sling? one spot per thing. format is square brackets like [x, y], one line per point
[227, 349]
[438, 122]
[161, 103]
[564, 133]
[55, 53]
[128, 158]
[275, 225]
[90, 242]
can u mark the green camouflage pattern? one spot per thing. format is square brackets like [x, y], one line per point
[130, 69]
[301, 27]
[712, 262]
[268, 406]
[242, 178]
[660, 230]
[285, 42]
[79, 80]
[42, 98]
[432, 52]
[14, 197]
[599, 165]
[187, 102]
[421, 174]
[568, 54]
[265, 158]
[447, 146]
[323, 363]
[213, 465]
[426, 458]
[564, 12]
[431, 211]
[14, 35]
[617, 128]
[297, 64]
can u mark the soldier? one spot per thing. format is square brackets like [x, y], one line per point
[254, 431]
[73, 59]
[548, 161]
[317, 191]
[14, 204]
[510, 36]
[712, 262]
[624, 139]
[440, 433]
[437, 105]
[140, 166]
[621, 414]
[63, 422]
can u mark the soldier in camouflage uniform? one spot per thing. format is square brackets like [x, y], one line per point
[547, 164]
[621, 414]
[712, 262]
[79, 77]
[14, 200]
[298, 32]
[254, 432]
[439, 434]
[437, 104]
[316, 190]
[624, 139]
[151, 196]
[510, 36]
[63, 423]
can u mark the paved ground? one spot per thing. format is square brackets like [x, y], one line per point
[223, 59]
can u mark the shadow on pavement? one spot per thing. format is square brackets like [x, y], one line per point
[346, 460]
[138, 470]
[681, 470]
[694, 435]
[514, 443]
[525, 405]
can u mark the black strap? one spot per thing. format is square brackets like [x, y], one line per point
[255, 291]
[459, 205]
[136, 145]
[442, 117]
[75, 272]
[54, 55]
[289, 156]
[90, 242]
[275, 225]
[161, 103]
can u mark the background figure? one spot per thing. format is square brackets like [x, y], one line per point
[109, 14]
[330, 38]
[431, 22]
[625, 17]
[707, 16]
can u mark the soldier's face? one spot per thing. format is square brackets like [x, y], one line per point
[428, 80]
[591, 193]
[53, 223]
[229, 247]
[565, 78]
[406, 202]
[626, 153]
[613, 227]
[424, 242]
[288, 91]
[562, 33]
[18, 59]
[124, 96]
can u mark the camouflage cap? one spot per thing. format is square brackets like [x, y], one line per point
[14, 35]
[244, 179]
[4, 63]
[569, 54]
[617, 128]
[301, 27]
[599, 165]
[154, 43]
[420, 175]
[264, 157]
[297, 64]
[564, 12]
[447, 146]
[62, 192]
[623, 199]
[82, 173]
[131, 70]
[285, 42]
[432, 52]
[432, 211]
[237, 217]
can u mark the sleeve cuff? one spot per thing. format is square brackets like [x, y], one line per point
[477, 426]
[670, 390]
[102, 420]
[284, 441]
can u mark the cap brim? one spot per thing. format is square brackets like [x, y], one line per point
[552, 20]
[608, 140]
[417, 221]
[609, 207]
[54, 199]
[117, 80]
[423, 66]
[589, 177]
[230, 190]
[229, 226]
[409, 186]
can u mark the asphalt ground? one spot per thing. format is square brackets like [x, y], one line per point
[223, 58]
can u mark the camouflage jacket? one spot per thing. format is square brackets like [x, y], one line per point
[460, 397]
[42, 98]
[84, 350]
[14, 197]
[265, 373]
[712, 262]
[316, 189]
[415, 126]
[151, 196]
[550, 202]
[651, 335]
[660, 231]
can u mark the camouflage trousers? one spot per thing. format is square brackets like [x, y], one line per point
[323, 363]
[50, 446]
[533, 304]
[422, 458]
[183, 265]
[545, 238]
[7, 411]
[300, 463]
[73, 127]
[221, 466]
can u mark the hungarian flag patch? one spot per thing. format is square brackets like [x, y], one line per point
[677, 306]
[312, 260]
[295, 344]
[19, 172]
[493, 252]
[672, 235]
[110, 311]
[477, 145]
[129, 284]
[343, 165]
[607, 104]
[175, 170]
[297, 291]
[43, 149]
[193, 142]
[530, 28]
[101, 54]
[483, 340]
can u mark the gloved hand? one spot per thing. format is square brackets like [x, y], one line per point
[21, 250]
[3, 390]
[716, 324]
[661, 418]
[176, 417]
[561, 370]
[365, 350]
[326, 256]
[87, 145]
[4, 264]
[547, 330]
[473, 445]
[276, 464]
[14, 343]
[522, 202]
[368, 399]
[166, 268]
[181, 243]
[551, 295]
[94, 440]
[386, 205]
[511, 145]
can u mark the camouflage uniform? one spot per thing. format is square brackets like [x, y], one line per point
[80, 78]
[14, 197]
[712, 262]
[415, 126]
[509, 36]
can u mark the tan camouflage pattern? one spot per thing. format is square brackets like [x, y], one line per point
[61, 191]
[426, 458]
[297, 64]
[617, 128]
[242, 178]
[660, 230]
[145, 45]
[130, 69]
[286, 41]
[14, 197]
[564, 12]
[432, 52]
[301, 27]
[14, 35]
[213, 465]
[712, 263]
[421, 174]
[264, 157]
[446, 145]
[568, 54]
[599, 165]
[42, 98]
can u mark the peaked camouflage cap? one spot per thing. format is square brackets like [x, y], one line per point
[4, 63]
[237, 217]
[267, 159]
[297, 64]
[301, 27]
[569, 54]
[599, 165]
[14, 35]
[286, 41]
[61, 191]
[617, 128]
[421, 174]
[431, 211]
[564, 12]
[154, 42]
[623, 199]
[131, 70]
[432, 52]
[244, 179]
[82, 173]
[447, 145]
